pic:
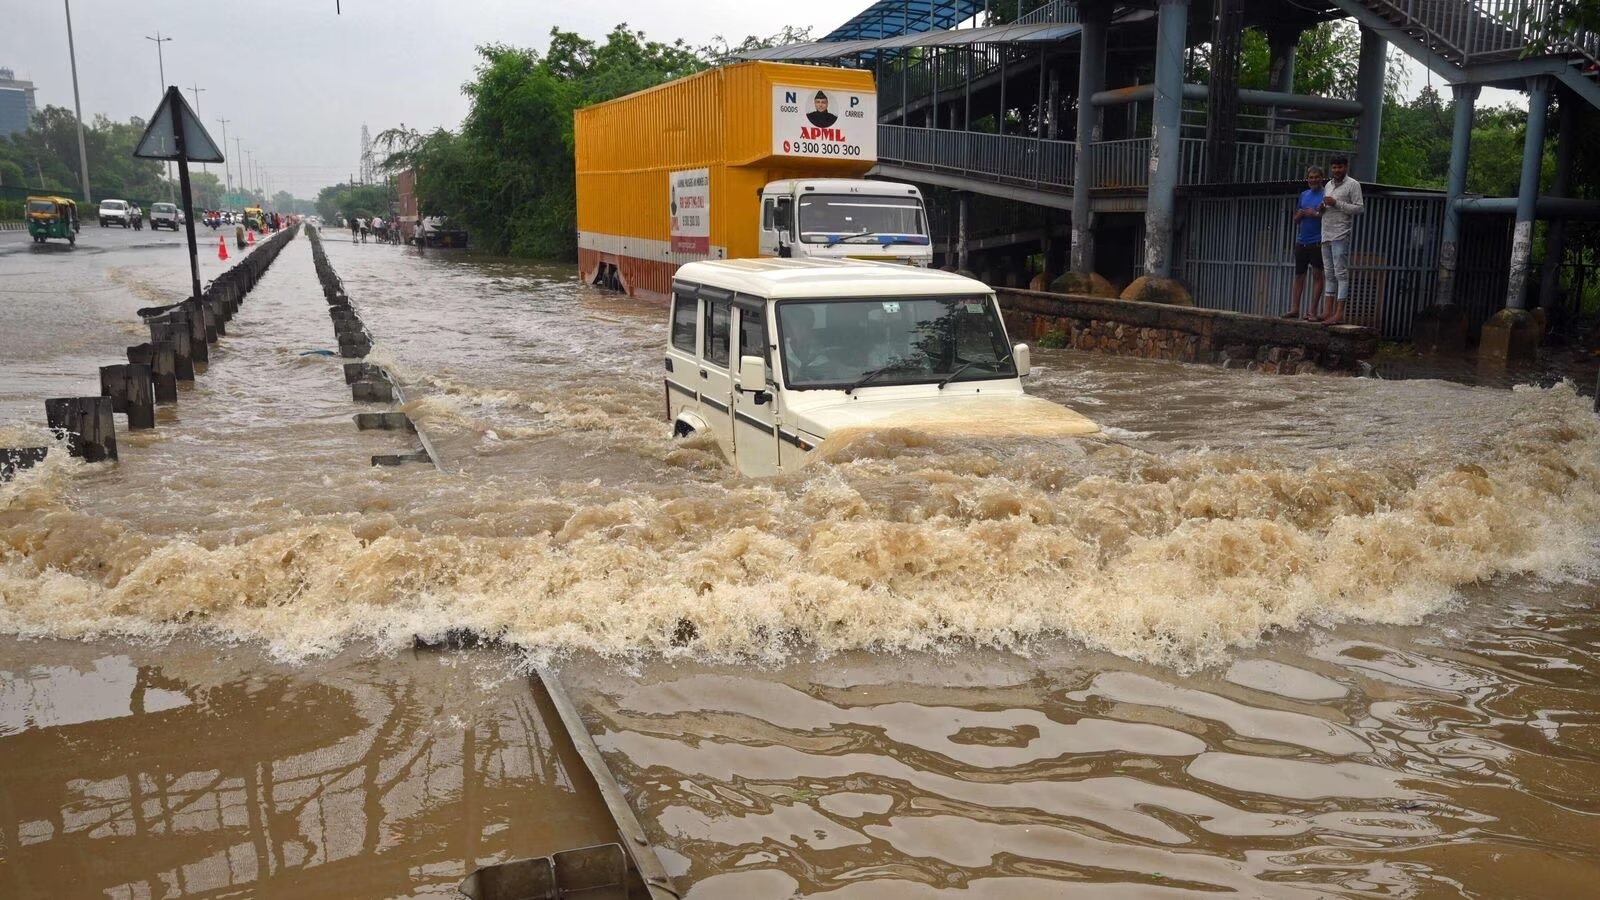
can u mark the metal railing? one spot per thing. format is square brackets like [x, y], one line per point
[955, 66]
[1485, 30]
[1017, 160]
[1054, 11]
[1126, 163]
[1046, 163]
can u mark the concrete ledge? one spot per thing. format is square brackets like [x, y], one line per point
[1188, 334]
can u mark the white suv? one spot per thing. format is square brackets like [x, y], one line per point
[163, 215]
[114, 212]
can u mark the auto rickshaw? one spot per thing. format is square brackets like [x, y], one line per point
[52, 217]
[254, 219]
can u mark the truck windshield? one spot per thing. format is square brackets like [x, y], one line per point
[827, 218]
[842, 344]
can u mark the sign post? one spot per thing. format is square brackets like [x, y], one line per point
[175, 132]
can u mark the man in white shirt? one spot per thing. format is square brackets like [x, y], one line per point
[1341, 203]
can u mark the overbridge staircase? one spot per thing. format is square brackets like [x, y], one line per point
[1486, 41]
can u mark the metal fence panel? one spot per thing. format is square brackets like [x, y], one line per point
[1239, 256]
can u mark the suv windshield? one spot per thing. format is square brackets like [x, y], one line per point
[907, 340]
[163, 207]
[830, 218]
[114, 204]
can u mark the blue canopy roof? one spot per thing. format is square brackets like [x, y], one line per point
[891, 18]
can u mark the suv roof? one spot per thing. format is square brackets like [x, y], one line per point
[824, 278]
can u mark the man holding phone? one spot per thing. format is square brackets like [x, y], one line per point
[1341, 203]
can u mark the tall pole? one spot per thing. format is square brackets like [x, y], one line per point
[239, 158]
[227, 180]
[1527, 191]
[196, 90]
[1165, 143]
[251, 169]
[77, 108]
[161, 66]
[173, 97]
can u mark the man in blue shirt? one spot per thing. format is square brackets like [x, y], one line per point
[1308, 245]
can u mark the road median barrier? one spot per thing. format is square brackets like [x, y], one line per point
[369, 383]
[180, 338]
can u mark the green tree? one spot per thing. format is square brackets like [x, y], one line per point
[47, 156]
[507, 175]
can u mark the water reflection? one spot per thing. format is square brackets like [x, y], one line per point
[173, 772]
[1370, 761]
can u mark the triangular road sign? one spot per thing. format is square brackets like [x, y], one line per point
[160, 139]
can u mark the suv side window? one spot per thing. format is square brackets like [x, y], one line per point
[684, 315]
[718, 324]
[753, 335]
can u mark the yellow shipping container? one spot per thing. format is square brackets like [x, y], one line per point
[673, 174]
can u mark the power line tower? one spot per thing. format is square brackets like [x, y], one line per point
[368, 168]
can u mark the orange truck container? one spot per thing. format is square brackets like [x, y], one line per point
[674, 174]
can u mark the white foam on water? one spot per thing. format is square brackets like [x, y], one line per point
[901, 542]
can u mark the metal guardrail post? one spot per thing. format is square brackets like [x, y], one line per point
[634, 840]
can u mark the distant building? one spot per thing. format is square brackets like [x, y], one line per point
[16, 103]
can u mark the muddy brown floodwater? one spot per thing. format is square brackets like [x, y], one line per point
[1279, 636]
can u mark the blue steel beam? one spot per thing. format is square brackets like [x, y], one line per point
[1466, 96]
[1095, 18]
[1164, 147]
[1527, 191]
[1369, 93]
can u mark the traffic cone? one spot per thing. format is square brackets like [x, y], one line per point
[251, 232]
[222, 249]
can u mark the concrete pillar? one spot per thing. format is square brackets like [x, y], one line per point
[1369, 93]
[1165, 145]
[1466, 97]
[1527, 191]
[1556, 238]
[1094, 18]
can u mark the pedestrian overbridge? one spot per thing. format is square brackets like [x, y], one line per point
[1080, 111]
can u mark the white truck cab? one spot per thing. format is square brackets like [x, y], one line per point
[775, 356]
[845, 218]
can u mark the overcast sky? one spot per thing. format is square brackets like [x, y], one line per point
[296, 81]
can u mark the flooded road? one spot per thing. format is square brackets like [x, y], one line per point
[1281, 636]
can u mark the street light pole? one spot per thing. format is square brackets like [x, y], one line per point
[196, 90]
[162, 68]
[227, 180]
[77, 108]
